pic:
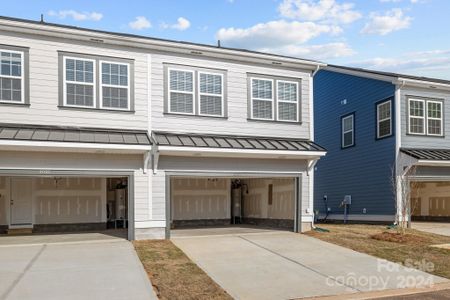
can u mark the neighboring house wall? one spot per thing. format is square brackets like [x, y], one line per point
[428, 142]
[364, 170]
[237, 120]
[45, 80]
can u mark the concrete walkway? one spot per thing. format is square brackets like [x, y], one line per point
[285, 265]
[103, 269]
[437, 228]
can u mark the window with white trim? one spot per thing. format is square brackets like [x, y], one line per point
[12, 87]
[384, 119]
[210, 94]
[287, 99]
[262, 99]
[115, 85]
[348, 131]
[79, 82]
[425, 117]
[181, 91]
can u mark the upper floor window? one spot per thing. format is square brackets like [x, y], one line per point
[195, 92]
[425, 117]
[384, 119]
[115, 85]
[12, 81]
[79, 82]
[348, 131]
[91, 82]
[274, 99]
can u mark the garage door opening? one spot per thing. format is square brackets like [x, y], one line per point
[430, 201]
[227, 202]
[64, 204]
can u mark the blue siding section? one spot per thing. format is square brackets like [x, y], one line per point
[362, 171]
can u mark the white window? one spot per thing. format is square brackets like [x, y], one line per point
[416, 116]
[181, 91]
[262, 99]
[210, 87]
[79, 82]
[348, 132]
[287, 99]
[12, 86]
[384, 119]
[434, 118]
[115, 85]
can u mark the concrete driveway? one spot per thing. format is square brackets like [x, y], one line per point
[437, 228]
[93, 269]
[285, 265]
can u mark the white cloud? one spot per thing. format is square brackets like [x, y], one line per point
[140, 23]
[390, 21]
[181, 24]
[328, 11]
[435, 63]
[319, 52]
[77, 16]
[274, 34]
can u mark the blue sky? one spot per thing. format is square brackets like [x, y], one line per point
[406, 36]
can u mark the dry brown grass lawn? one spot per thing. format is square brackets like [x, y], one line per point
[173, 274]
[378, 241]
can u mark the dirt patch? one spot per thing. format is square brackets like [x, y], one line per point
[173, 274]
[416, 246]
[397, 237]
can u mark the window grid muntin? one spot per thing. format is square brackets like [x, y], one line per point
[13, 77]
[347, 131]
[75, 82]
[170, 91]
[279, 100]
[200, 93]
[272, 99]
[436, 119]
[381, 119]
[413, 113]
[113, 86]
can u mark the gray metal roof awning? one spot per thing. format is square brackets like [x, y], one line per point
[428, 154]
[169, 142]
[19, 132]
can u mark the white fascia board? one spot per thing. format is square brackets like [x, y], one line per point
[43, 145]
[423, 83]
[155, 44]
[250, 153]
[434, 163]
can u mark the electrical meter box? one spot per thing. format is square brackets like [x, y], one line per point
[347, 200]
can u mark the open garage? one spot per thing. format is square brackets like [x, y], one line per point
[265, 202]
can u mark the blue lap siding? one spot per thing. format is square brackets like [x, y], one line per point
[362, 171]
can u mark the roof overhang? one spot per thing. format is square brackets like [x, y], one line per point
[135, 41]
[239, 153]
[428, 157]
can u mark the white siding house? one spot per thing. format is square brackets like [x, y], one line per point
[87, 114]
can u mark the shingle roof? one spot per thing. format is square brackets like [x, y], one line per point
[73, 134]
[392, 74]
[233, 142]
[428, 154]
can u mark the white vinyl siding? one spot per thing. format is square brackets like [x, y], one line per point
[425, 117]
[181, 91]
[211, 102]
[115, 85]
[262, 101]
[348, 131]
[384, 119]
[79, 82]
[287, 99]
[12, 87]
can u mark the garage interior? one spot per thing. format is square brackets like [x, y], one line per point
[53, 204]
[219, 202]
[430, 201]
